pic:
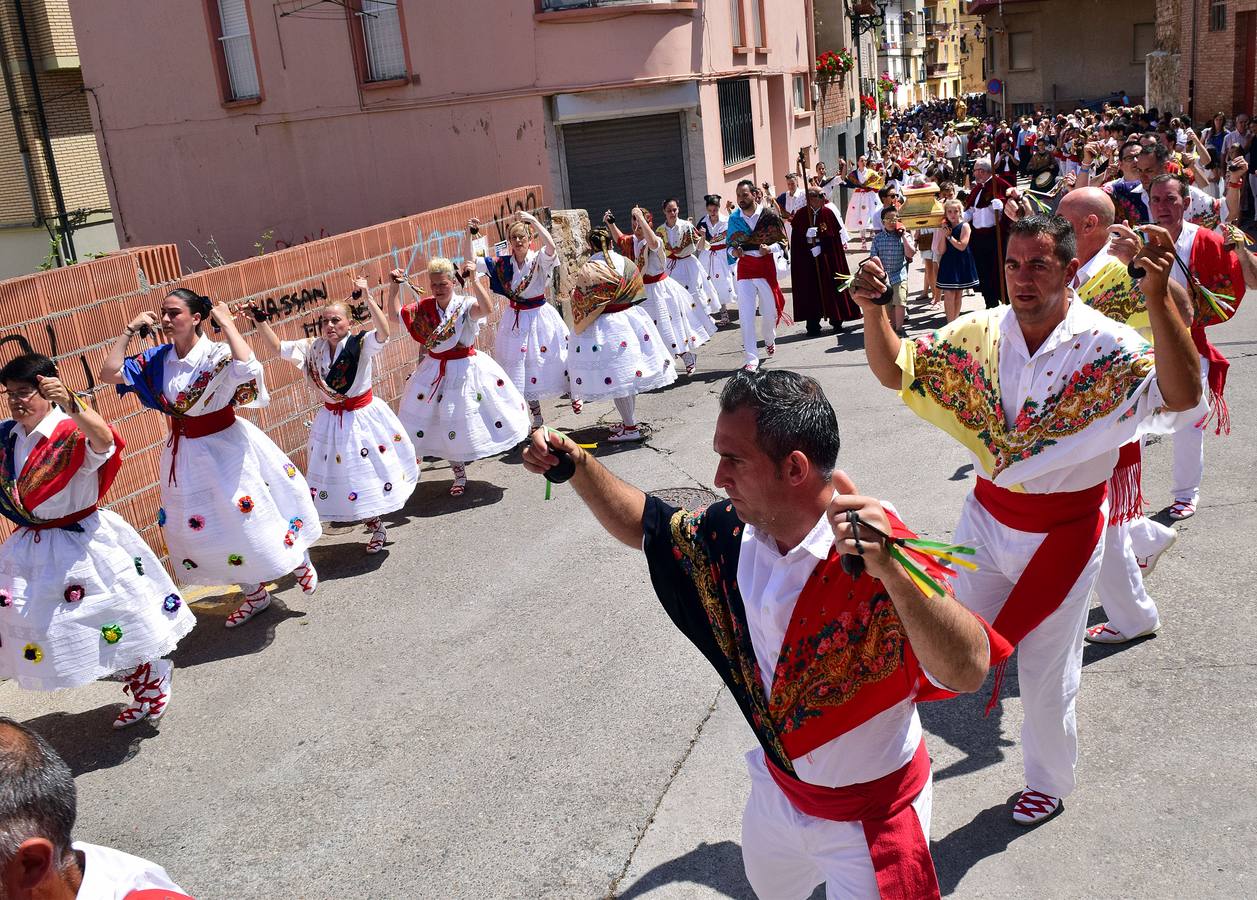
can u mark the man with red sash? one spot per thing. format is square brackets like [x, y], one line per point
[826, 666]
[753, 228]
[1043, 394]
[983, 209]
[1222, 268]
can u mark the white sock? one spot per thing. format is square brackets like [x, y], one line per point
[626, 406]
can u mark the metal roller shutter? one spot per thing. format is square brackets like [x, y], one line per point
[619, 163]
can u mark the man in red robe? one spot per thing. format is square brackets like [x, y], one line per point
[817, 255]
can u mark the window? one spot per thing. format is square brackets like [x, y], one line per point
[1145, 41]
[1019, 51]
[1023, 109]
[236, 43]
[1217, 15]
[384, 47]
[800, 92]
[737, 128]
[757, 24]
[735, 21]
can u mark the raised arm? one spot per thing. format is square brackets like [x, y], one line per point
[609, 220]
[616, 504]
[547, 239]
[485, 303]
[111, 369]
[1177, 360]
[1236, 178]
[393, 299]
[639, 226]
[222, 314]
[379, 321]
[269, 337]
[88, 420]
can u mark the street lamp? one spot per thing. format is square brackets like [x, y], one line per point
[867, 15]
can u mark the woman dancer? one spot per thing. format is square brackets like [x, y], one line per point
[957, 270]
[864, 183]
[457, 404]
[531, 343]
[82, 596]
[715, 258]
[681, 246]
[684, 325]
[621, 353]
[360, 462]
[234, 507]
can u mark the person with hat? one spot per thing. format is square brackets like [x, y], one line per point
[818, 256]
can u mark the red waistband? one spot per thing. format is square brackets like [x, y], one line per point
[459, 352]
[653, 279]
[757, 267]
[1037, 513]
[71, 519]
[716, 247]
[616, 307]
[528, 303]
[883, 807]
[201, 426]
[865, 190]
[350, 403]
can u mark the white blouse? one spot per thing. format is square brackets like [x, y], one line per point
[297, 352]
[83, 490]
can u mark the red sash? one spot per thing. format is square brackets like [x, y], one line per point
[653, 279]
[616, 307]
[459, 352]
[524, 304]
[765, 267]
[1126, 499]
[195, 427]
[714, 247]
[883, 807]
[1073, 524]
[1220, 271]
[348, 405]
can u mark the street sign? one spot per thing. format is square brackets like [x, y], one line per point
[994, 86]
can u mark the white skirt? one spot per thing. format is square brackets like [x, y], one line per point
[477, 411]
[533, 353]
[79, 606]
[690, 274]
[239, 512]
[619, 355]
[723, 277]
[860, 211]
[361, 466]
[683, 324]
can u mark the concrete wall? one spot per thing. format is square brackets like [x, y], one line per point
[23, 249]
[1072, 63]
[75, 313]
[320, 154]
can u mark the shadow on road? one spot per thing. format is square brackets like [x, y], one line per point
[211, 642]
[715, 866]
[432, 496]
[988, 834]
[87, 740]
[963, 724]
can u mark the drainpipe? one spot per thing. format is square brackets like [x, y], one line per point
[67, 238]
[24, 148]
[1191, 77]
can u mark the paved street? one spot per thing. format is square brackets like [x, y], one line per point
[496, 707]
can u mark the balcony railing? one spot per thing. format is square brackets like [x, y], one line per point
[557, 5]
[934, 70]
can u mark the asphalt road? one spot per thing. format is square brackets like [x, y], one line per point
[496, 707]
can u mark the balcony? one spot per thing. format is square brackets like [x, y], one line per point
[592, 10]
[939, 70]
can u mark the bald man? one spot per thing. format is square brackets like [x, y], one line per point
[1133, 542]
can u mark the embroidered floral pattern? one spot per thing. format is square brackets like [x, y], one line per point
[245, 504]
[196, 523]
[295, 523]
[171, 603]
[235, 559]
[353, 495]
[74, 593]
[290, 470]
[189, 565]
[112, 633]
[6, 598]
[161, 517]
[139, 565]
[33, 653]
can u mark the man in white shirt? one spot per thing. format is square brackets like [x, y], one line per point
[38, 858]
[826, 666]
[1238, 135]
[982, 211]
[1042, 394]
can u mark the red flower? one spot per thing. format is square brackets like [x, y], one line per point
[245, 504]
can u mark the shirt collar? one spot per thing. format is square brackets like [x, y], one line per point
[47, 425]
[197, 353]
[1070, 327]
[818, 542]
[1095, 264]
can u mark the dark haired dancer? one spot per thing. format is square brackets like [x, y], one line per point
[234, 507]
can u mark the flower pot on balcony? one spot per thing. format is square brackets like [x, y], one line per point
[864, 8]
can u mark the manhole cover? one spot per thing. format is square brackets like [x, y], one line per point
[686, 497]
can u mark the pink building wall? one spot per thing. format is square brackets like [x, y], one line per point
[319, 155]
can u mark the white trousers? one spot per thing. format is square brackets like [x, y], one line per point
[1189, 454]
[756, 293]
[1049, 658]
[787, 853]
[1120, 586]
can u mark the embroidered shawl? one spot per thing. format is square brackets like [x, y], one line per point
[845, 657]
[501, 271]
[1086, 407]
[145, 375]
[687, 240]
[1114, 293]
[426, 325]
[48, 469]
[342, 373]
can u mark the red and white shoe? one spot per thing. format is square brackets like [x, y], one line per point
[770, 349]
[1105, 633]
[149, 687]
[253, 604]
[1182, 509]
[378, 537]
[307, 577]
[1033, 807]
[626, 434]
[1148, 563]
[577, 406]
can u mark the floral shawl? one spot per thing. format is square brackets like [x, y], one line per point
[48, 469]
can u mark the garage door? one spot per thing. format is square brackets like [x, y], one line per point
[617, 164]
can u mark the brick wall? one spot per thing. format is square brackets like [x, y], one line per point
[1218, 62]
[75, 313]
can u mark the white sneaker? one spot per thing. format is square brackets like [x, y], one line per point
[1033, 807]
[1105, 633]
[1148, 563]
